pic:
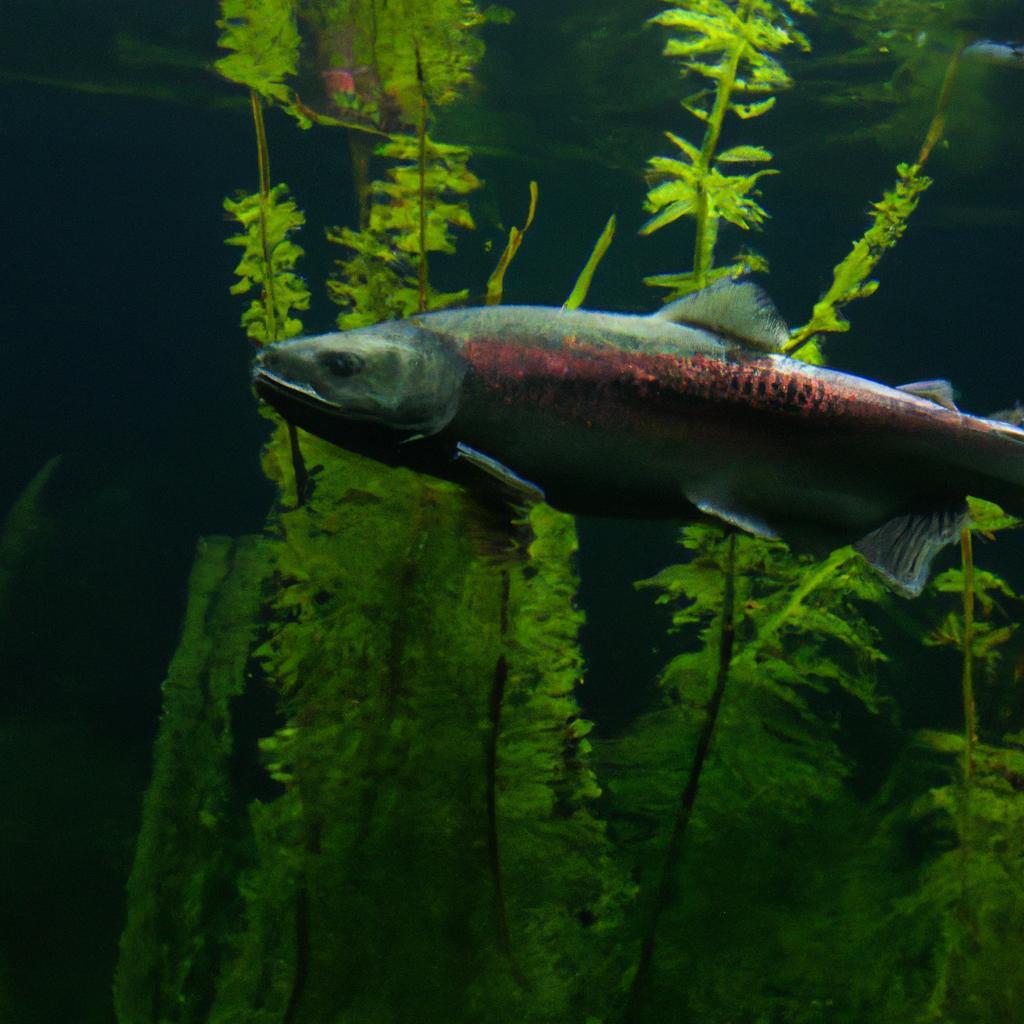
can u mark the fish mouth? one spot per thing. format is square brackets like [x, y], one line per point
[269, 386]
[303, 407]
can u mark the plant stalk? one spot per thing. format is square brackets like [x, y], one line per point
[269, 301]
[263, 160]
[970, 718]
[688, 797]
[422, 133]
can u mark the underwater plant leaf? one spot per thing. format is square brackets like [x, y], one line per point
[744, 154]
[684, 284]
[578, 295]
[671, 212]
[748, 111]
[24, 526]
[496, 282]
[192, 843]
[987, 518]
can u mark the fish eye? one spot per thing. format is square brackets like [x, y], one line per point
[342, 364]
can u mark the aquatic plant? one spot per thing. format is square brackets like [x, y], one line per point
[264, 43]
[578, 295]
[412, 213]
[888, 222]
[732, 45]
[427, 777]
[778, 631]
[375, 56]
[193, 839]
[267, 223]
[496, 282]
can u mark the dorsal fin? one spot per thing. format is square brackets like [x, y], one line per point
[1014, 416]
[938, 391]
[741, 311]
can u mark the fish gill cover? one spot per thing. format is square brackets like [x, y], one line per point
[375, 797]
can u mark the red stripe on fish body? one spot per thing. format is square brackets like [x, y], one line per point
[562, 377]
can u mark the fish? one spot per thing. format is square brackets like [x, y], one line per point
[992, 51]
[693, 413]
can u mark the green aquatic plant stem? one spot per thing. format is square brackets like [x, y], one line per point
[970, 723]
[688, 797]
[938, 123]
[421, 152]
[300, 475]
[263, 161]
[579, 291]
[707, 228]
[496, 282]
[497, 701]
[967, 679]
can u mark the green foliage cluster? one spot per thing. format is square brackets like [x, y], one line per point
[413, 213]
[731, 44]
[264, 44]
[801, 632]
[269, 256]
[802, 643]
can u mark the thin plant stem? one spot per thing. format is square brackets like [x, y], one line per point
[263, 160]
[688, 797]
[422, 133]
[938, 123]
[970, 717]
[269, 301]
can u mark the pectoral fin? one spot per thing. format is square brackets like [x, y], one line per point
[512, 483]
[902, 549]
[734, 517]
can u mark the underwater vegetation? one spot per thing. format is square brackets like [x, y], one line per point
[375, 796]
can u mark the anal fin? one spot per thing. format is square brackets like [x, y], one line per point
[511, 482]
[901, 550]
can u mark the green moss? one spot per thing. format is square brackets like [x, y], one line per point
[193, 839]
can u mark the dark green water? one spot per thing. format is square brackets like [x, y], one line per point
[122, 354]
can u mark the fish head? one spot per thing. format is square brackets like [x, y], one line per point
[363, 389]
